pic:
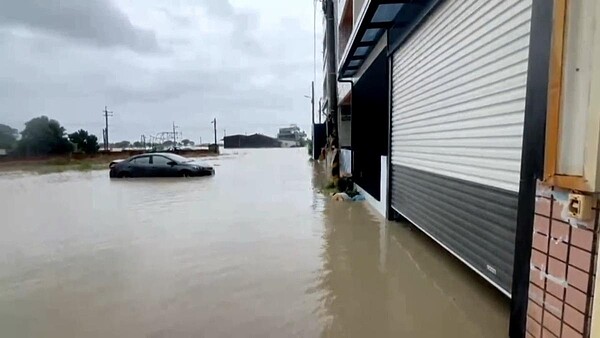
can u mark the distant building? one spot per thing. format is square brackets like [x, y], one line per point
[288, 143]
[250, 141]
[3, 152]
[291, 136]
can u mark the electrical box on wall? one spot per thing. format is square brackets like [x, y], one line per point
[581, 206]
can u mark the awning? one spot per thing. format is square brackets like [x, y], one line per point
[399, 16]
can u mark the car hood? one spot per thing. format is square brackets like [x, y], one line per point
[115, 163]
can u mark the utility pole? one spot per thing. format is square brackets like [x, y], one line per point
[174, 135]
[224, 133]
[312, 101]
[312, 105]
[331, 121]
[214, 148]
[214, 122]
[107, 114]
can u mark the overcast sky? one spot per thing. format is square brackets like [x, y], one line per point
[248, 63]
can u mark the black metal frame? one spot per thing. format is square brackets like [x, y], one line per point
[425, 7]
[396, 41]
[370, 91]
[532, 158]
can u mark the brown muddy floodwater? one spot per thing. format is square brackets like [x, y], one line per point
[255, 251]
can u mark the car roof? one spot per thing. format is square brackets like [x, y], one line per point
[168, 155]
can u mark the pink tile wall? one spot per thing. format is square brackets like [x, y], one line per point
[562, 269]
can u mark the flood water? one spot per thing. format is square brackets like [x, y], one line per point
[255, 251]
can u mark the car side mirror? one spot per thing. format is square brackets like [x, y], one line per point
[172, 163]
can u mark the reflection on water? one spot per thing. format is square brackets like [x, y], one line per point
[254, 251]
[384, 280]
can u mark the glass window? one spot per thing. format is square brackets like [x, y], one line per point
[142, 160]
[178, 159]
[160, 160]
[386, 13]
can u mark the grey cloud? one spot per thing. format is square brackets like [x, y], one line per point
[199, 80]
[181, 20]
[221, 8]
[244, 23]
[98, 22]
[230, 82]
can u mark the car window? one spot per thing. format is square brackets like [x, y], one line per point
[142, 160]
[160, 160]
[178, 159]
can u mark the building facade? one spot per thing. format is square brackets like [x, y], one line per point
[250, 141]
[291, 136]
[475, 121]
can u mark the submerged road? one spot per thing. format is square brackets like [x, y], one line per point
[256, 251]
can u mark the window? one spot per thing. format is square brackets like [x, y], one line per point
[160, 160]
[177, 158]
[142, 160]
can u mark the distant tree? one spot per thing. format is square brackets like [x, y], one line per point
[122, 144]
[8, 137]
[168, 143]
[43, 136]
[187, 142]
[85, 142]
[138, 144]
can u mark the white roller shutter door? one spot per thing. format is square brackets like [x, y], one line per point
[458, 102]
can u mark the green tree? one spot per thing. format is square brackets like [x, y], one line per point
[85, 142]
[187, 142]
[43, 136]
[168, 143]
[138, 144]
[8, 137]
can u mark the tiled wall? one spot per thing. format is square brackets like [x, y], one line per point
[562, 269]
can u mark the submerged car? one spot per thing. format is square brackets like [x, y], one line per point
[159, 165]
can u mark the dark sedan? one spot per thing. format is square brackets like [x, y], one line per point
[159, 165]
